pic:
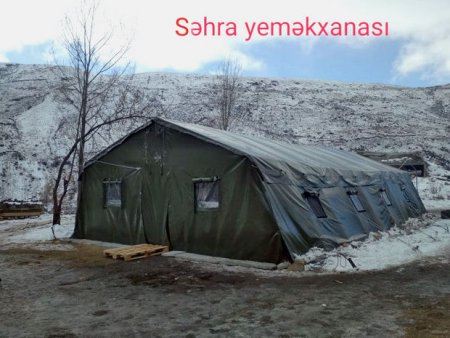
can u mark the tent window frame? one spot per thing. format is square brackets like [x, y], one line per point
[354, 198]
[109, 202]
[210, 196]
[385, 197]
[315, 204]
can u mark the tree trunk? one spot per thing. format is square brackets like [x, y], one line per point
[56, 214]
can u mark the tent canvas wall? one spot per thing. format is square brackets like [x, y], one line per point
[218, 193]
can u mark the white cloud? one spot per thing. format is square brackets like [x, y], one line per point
[29, 23]
[429, 56]
[422, 27]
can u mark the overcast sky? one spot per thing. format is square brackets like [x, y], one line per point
[416, 52]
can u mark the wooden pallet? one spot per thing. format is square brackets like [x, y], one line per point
[132, 252]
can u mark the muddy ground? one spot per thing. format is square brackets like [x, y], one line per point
[77, 292]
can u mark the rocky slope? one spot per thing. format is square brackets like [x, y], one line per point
[347, 116]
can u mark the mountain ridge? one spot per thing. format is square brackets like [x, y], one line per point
[371, 117]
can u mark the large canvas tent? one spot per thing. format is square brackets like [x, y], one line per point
[214, 192]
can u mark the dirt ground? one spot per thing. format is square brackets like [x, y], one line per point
[77, 292]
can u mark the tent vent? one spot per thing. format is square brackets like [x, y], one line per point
[315, 205]
[112, 193]
[385, 198]
[353, 195]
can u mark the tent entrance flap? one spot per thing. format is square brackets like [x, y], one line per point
[168, 230]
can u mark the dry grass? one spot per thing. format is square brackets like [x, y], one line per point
[81, 255]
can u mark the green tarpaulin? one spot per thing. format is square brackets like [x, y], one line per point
[218, 193]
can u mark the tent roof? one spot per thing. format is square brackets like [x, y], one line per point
[302, 157]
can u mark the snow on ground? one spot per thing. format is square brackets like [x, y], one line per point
[62, 231]
[418, 238]
[35, 230]
[427, 236]
[21, 223]
[435, 189]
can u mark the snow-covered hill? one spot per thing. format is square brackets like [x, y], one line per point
[346, 116]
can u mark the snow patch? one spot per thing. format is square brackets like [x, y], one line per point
[37, 231]
[435, 189]
[417, 238]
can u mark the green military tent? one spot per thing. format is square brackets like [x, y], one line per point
[214, 192]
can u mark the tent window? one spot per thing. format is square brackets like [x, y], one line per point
[353, 195]
[386, 198]
[206, 193]
[112, 193]
[315, 205]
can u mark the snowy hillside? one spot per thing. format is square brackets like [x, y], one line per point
[347, 116]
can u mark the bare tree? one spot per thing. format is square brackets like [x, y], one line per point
[97, 89]
[227, 88]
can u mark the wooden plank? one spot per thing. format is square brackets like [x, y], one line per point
[19, 213]
[135, 251]
[134, 256]
[126, 248]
